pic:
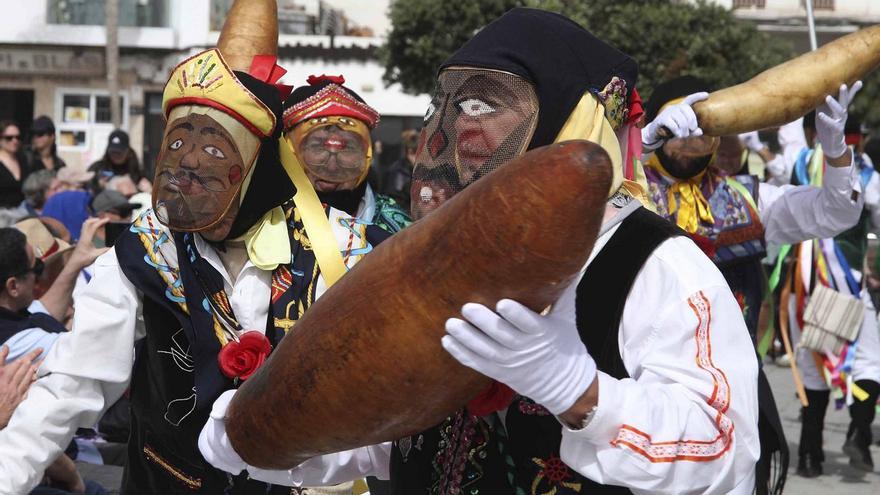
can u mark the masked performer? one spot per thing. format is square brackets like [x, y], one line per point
[847, 366]
[732, 216]
[329, 126]
[206, 283]
[672, 407]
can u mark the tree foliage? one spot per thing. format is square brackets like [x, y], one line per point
[668, 38]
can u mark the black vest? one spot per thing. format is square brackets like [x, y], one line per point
[163, 453]
[466, 455]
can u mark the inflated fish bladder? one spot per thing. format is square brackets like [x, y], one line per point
[365, 365]
[790, 90]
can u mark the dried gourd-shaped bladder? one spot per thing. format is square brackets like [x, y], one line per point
[365, 365]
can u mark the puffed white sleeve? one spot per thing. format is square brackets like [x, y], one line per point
[85, 372]
[686, 421]
[326, 470]
[797, 213]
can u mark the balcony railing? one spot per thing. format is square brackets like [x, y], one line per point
[745, 4]
[132, 13]
[823, 4]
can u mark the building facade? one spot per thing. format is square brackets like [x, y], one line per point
[787, 19]
[53, 62]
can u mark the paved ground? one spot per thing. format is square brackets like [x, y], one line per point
[838, 478]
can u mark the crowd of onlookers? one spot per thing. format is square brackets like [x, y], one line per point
[55, 220]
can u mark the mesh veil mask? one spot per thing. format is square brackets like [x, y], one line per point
[478, 120]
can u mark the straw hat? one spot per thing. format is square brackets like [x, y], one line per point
[46, 246]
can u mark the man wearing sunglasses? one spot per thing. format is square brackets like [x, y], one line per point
[26, 323]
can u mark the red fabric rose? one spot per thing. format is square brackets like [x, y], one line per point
[495, 397]
[243, 358]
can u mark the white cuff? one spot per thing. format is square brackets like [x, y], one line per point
[214, 444]
[606, 421]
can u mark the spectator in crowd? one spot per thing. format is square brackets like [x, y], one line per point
[397, 178]
[70, 179]
[8, 217]
[124, 185]
[51, 250]
[37, 188]
[15, 380]
[25, 322]
[14, 168]
[374, 176]
[71, 208]
[113, 207]
[119, 159]
[43, 154]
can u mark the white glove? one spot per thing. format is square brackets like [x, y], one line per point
[831, 120]
[776, 166]
[752, 141]
[678, 119]
[540, 357]
[213, 442]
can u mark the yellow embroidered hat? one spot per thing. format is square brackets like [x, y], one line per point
[206, 80]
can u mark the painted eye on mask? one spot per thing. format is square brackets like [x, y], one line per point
[214, 152]
[176, 145]
[473, 107]
[430, 111]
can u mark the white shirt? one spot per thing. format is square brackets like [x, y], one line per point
[694, 380]
[797, 213]
[89, 368]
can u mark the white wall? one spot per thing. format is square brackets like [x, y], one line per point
[863, 11]
[365, 78]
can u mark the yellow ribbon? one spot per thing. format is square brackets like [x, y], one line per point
[314, 219]
[687, 198]
[587, 121]
[268, 242]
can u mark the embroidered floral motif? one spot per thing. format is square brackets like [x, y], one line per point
[554, 475]
[463, 441]
[530, 408]
[613, 98]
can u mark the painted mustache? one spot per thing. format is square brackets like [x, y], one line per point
[190, 182]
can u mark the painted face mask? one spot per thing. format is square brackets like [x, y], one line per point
[328, 126]
[334, 151]
[477, 121]
[212, 141]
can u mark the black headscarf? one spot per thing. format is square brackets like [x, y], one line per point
[269, 186]
[558, 56]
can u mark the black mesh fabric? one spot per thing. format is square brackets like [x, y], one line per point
[477, 121]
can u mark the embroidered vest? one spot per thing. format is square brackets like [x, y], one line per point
[175, 378]
[737, 233]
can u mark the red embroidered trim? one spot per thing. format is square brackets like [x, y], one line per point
[169, 105]
[691, 450]
[194, 100]
[330, 101]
